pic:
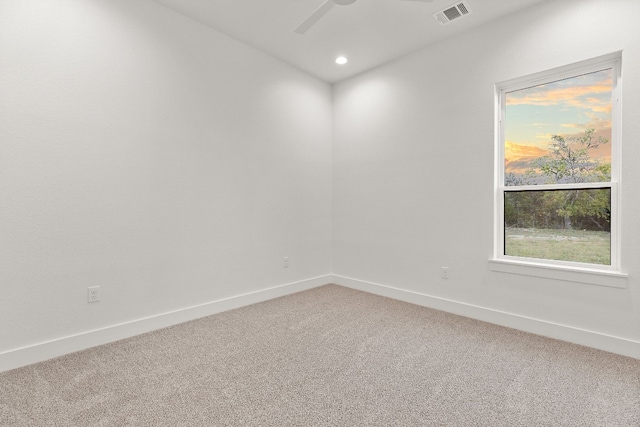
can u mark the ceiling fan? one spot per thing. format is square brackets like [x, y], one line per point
[326, 7]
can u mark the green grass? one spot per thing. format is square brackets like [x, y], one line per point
[593, 247]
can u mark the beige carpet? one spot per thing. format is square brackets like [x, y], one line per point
[330, 356]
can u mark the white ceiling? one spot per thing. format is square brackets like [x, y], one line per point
[368, 32]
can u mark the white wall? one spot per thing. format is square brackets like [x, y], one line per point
[154, 157]
[413, 174]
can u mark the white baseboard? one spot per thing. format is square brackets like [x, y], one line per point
[47, 350]
[574, 335]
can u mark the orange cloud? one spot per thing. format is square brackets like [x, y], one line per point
[602, 126]
[568, 95]
[518, 157]
[598, 106]
[544, 136]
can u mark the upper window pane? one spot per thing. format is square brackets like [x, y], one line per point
[559, 132]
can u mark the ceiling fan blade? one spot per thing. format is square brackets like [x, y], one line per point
[314, 17]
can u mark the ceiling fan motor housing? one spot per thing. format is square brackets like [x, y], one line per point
[344, 2]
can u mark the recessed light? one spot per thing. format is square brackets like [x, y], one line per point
[341, 60]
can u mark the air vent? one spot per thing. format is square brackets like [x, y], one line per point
[455, 11]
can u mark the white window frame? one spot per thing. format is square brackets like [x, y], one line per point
[605, 275]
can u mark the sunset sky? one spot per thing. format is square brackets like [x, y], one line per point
[566, 107]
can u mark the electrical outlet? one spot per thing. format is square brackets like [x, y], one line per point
[286, 262]
[444, 273]
[93, 294]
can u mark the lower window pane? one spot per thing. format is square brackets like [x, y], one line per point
[562, 225]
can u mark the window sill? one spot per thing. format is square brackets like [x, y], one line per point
[596, 277]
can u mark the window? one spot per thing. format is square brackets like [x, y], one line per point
[558, 167]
